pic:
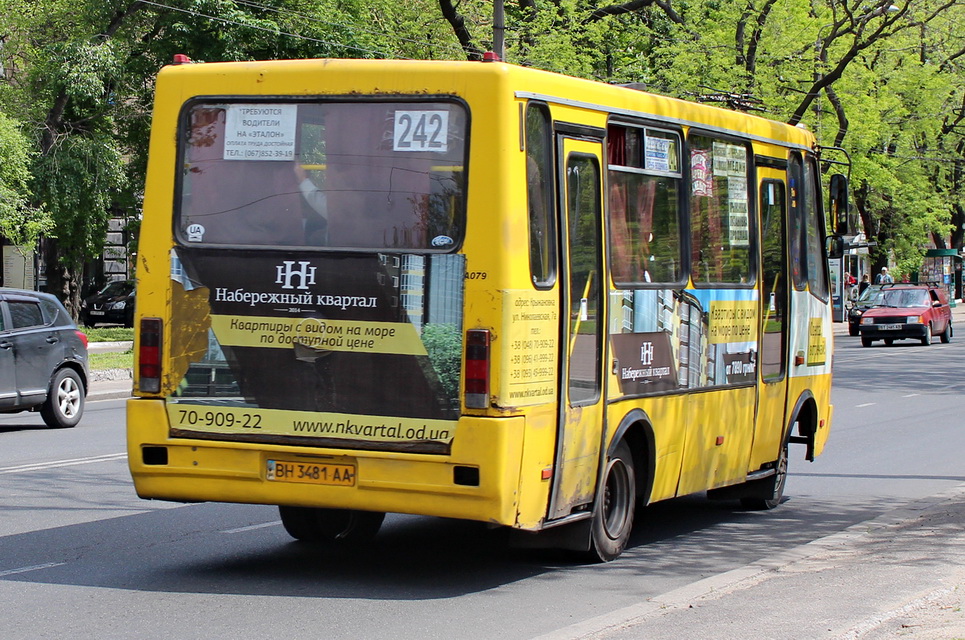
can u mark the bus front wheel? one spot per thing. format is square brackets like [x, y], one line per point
[614, 510]
[330, 525]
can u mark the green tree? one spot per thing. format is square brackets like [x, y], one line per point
[879, 79]
[20, 222]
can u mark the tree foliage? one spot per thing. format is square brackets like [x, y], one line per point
[20, 222]
[882, 80]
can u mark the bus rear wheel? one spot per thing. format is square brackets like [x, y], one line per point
[330, 525]
[614, 510]
[773, 485]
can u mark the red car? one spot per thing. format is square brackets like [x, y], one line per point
[907, 311]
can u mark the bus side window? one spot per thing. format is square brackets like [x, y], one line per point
[643, 211]
[814, 226]
[796, 230]
[721, 230]
[539, 177]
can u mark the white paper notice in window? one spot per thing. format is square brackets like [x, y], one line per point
[658, 154]
[260, 132]
[421, 131]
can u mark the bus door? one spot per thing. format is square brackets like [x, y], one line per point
[772, 399]
[582, 323]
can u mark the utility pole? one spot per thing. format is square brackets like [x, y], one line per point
[499, 29]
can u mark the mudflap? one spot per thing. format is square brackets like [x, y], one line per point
[761, 488]
[574, 536]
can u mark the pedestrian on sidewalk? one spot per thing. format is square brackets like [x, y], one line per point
[884, 277]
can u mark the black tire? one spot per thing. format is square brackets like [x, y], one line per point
[889, 342]
[614, 509]
[89, 322]
[65, 400]
[775, 486]
[926, 339]
[852, 329]
[129, 319]
[946, 336]
[866, 342]
[340, 526]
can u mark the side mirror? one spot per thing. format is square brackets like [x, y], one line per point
[838, 189]
[835, 246]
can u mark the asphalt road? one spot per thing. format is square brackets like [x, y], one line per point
[82, 556]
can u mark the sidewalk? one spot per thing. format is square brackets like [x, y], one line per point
[898, 576]
[109, 384]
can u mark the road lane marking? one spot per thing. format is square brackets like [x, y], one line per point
[263, 525]
[866, 404]
[39, 466]
[36, 567]
[911, 395]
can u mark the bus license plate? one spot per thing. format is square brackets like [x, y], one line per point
[889, 327]
[311, 473]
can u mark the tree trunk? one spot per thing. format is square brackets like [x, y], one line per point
[62, 281]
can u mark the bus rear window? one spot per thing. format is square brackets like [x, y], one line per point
[345, 175]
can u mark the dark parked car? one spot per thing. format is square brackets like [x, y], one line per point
[114, 304]
[43, 358]
[857, 307]
[903, 311]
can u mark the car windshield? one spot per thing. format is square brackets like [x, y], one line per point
[870, 294]
[904, 298]
[117, 289]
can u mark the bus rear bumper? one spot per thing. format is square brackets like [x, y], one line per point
[478, 480]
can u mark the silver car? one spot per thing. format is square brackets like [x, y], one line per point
[43, 358]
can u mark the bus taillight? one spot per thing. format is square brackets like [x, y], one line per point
[149, 356]
[477, 369]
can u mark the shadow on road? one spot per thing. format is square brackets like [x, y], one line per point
[241, 549]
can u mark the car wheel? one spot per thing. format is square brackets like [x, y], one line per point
[866, 342]
[65, 400]
[129, 319]
[926, 339]
[946, 336]
[889, 342]
[613, 514]
[345, 526]
[852, 330]
[88, 321]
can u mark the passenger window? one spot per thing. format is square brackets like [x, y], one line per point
[25, 314]
[644, 213]
[721, 229]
